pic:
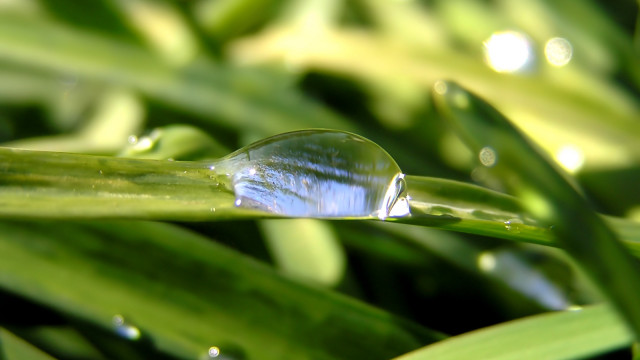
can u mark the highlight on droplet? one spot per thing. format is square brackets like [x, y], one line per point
[213, 352]
[488, 156]
[124, 329]
[570, 157]
[508, 51]
[558, 51]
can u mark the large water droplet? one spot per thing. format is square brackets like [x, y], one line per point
[317, 173]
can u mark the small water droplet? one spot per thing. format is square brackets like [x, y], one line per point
[486, 261]
[488, 156]
[513, 225]
[212, 167]
[238, 202]
[440, 87]
[125, 329]
[214, 351]
[213, 209]
[558, 51]
[132, 139]
[508, 51]
[100, 172]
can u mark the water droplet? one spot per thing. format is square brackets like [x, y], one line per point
[570, 158]
[125, 329]
[317, 173]
[507, 51]
[558, 51]
[513, 225]
[143, 143]
[214, 351]
[212, 167]
[488, 156]
[132, 139]
[213, 209]
[440, 87]
[100, 172]
[486, 261]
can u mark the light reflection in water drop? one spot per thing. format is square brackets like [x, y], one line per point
[488, 156]
[214, 351]
[570, 157]
[513, 225]
[508, 51]
[317, 173]
[124, 329]
[558, 51]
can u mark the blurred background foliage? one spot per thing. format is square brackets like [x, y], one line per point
[196, 79]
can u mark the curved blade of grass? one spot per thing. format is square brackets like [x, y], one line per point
[185, 293]
[546, 194]
[71, 186]
[234, 98]
[14, 348]
[581, 334]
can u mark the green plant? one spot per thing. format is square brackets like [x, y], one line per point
[113, 124]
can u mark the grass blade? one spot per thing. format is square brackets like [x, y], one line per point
[561, 335]
[547, 194]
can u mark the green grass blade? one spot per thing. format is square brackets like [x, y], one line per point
[185, 293]
[14, 348]
[58, 185]
[547, 194]
[579, 334]
[234, 98]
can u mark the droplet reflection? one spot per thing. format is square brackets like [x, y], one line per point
[488, 156]
[214, 351]
[124, 329]
[507, 51]
[570, 157]
[317, 173]
[558, 51]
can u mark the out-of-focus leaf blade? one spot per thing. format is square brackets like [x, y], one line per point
[185, 293]
[15, 348]
[547, 194]
[233, 98]
[562, 335]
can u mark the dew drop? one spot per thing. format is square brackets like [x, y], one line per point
[440, 87]
[144, 143]
[124, 329]
[132, 139]
[317, 173]
[488, 156]
[214, 351]
[513, 225]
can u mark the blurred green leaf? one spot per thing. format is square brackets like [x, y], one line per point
[15, 348]
[185, 293]
[547, 194]
[583, 333]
